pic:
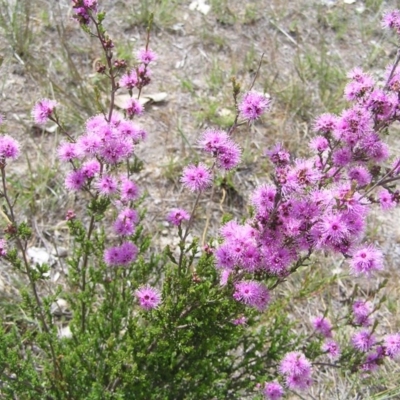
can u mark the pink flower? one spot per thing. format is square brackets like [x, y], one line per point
[42, 110]
[213, 140]
[297, 370]
[106, 185]
[360, 174]
[120, 256]
[129, 80]
[146, 56]
[392, 345]
[366, 260]
[129, 190]
[133, 107]
[386, 199]
[325, 124]
[224, 257]
[149, 297]
[295, 363]
[253, 294]
[67, 151]
[124, 227]
[196, 178]
[177, 215]
[253, 105]
[3, 248]
[278, 155]
[9, 147]
[225, 273]
[363, 341]
[331, 348]
[322, 326]
[75, 180]
[319, 144]
[263, 198]
[273, 391]
[229, 156]
[392, 20]
[361, 311]
[240, 321]
[373, 360]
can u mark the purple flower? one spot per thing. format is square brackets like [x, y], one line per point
[123, 227]
[9, 147]
[360, 174]
[129, 80]
[213, 140]
[133, 107]
[273, 391]
[240, 321]
[386, 199]
[146, 56]
[331, 348]
[278, 155]
[319, 144]
[129, 190]
[3, 248]
[322, 326]
[253, 105]
[115, 150]
[363, 341]
[361, 311]
[149, 297]
[229, 156]
[67, 151]
[342, 157]
[196, 178]
[42, 110]
[263, 198]
[75, 180]
[392, 345]
[295, 363]
[373, 360]
[90, 168]
[298, 382]
[366, 260]
[106, 185]
[325, 124]
[225, 273]
[177, 215]
[253, 294]
[224, 257]
[392, 20]
[297, 370]
[120, 256]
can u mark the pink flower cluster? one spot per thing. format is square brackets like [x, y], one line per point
[319, 203]
[296, 369]
[138, 77]
[253, 105]
[323, 327]
[83, 10]
[121, 256]
[222, 147]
